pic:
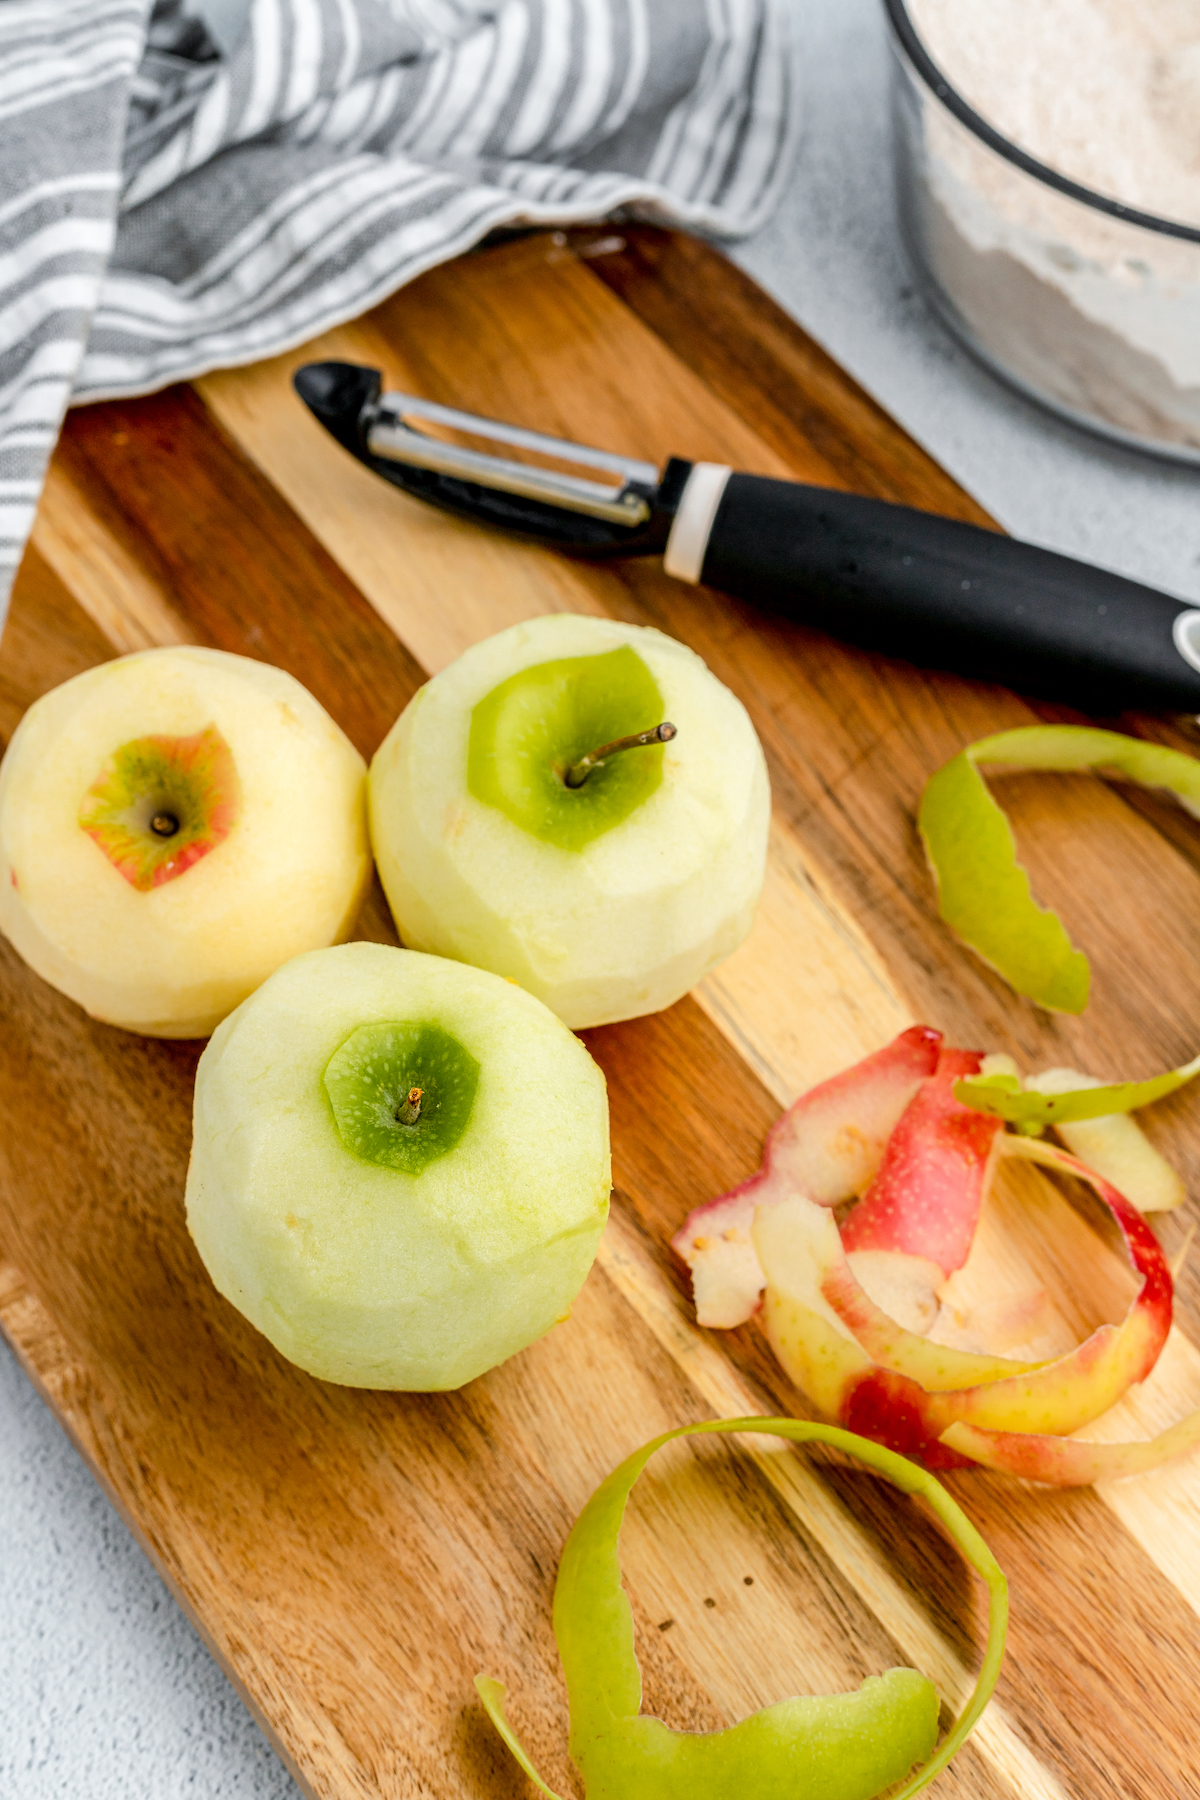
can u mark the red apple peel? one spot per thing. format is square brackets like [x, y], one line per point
[925, 1198]
[1071, 1462]
[827, 1146]
[875, 1376]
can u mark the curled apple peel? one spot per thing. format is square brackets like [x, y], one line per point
[1092, 1119]
[1063, 1097]
[907, 1390]
[925, 1197]
[983, 892]
[849, 1309]
[1115, 1145]
[828, 1746]
[827, 1145]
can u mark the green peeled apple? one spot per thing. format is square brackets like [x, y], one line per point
[512, 832]
[400, 1166]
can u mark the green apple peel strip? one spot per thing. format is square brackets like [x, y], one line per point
[854, 1744]
[983, 892]
[1032, 1111]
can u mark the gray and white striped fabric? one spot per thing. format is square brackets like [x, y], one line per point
[203, 182]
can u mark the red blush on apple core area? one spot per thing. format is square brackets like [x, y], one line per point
[162, 803]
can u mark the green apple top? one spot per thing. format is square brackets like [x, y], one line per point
[402, 1092]
[511, 832]
[400, 1166]
[173, 826]
[533, 731]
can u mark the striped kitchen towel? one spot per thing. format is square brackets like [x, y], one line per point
[203, 182]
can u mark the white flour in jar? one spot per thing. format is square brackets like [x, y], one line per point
[1104, 91]
[1101, 314]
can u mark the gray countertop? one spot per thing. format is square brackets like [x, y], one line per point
[106, 1689]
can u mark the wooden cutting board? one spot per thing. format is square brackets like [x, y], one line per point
[354, 1558]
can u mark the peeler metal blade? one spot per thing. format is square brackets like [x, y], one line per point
[618, 516]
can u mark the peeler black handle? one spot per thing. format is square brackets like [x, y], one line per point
[937, 592]
[934, 591]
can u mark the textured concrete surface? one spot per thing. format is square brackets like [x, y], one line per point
[106, 1693]
[104, 1688]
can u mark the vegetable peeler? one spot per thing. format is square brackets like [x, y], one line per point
[887, 578]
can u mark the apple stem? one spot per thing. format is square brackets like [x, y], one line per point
[164, 824]
[579, 771]
[410, 1111]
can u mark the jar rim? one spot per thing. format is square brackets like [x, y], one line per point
[945, 91]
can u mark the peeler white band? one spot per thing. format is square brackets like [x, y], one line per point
[692, 526]
[1186, 632]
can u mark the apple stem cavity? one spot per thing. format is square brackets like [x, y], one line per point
[578, 772]
[410, 1110]
[164, 824]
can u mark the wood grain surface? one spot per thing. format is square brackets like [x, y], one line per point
[355, 1558]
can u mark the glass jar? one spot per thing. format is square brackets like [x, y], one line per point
[1086, 305]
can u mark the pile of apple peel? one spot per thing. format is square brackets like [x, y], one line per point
[861, 1313]
[825, 1746]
